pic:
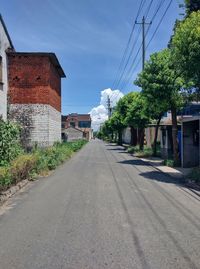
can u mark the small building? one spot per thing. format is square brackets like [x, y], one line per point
[5, 45]
[71, 134]
[35, 96]
[80, 122]
[190, 155]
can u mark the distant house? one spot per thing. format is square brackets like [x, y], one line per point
[5, 45]
[35, 96]
[81, 122]
[71, 134]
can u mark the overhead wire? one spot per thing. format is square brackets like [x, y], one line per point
[142, 2]
[159, 23]
[132, 67]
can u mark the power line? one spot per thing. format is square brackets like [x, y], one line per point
[131, 69]
[142, 2]
[159, 23]
[153, 18]
[127, 62]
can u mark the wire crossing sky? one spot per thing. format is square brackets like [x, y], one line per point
[97, 42]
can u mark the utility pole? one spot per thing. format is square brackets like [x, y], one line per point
[144, 23]
[140, 132]
[109, 106]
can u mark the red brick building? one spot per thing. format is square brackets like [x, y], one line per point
[78, 121]
[35, 91]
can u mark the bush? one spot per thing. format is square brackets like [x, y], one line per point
[131, 149]
[195, 175]
[5, 178]
[169, 162]
[39, 161]
[146, 152]
[9, 142]
[22, 167]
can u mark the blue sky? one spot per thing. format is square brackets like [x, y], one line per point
[88, 37]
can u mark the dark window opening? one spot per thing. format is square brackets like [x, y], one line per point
[72, 124]
[84, 124]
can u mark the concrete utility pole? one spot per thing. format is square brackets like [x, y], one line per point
[109, 106]
[144, 23]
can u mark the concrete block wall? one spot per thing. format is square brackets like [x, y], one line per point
[43, 122]
[73, 134]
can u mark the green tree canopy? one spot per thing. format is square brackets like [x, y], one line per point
[161, 89]
[192, 5]
[186, 49]
[160, 84]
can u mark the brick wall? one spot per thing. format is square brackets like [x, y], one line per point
[33, 79]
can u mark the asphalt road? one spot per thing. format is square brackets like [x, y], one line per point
[102, 209]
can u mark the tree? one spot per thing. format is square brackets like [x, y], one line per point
[116, 123]
[161, 90]
[186, 50]
[192, 5]
[136, 117]
[153, 91]
[122, 107]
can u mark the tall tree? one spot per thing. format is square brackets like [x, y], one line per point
[122, 107]
[136, 117]
[161, 90]
[154, 93]
[116, 123]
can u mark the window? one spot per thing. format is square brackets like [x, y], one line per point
[72, 124]
[84, 124]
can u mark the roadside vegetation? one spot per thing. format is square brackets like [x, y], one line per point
[16, 164]
[145, 152]
[194, 176]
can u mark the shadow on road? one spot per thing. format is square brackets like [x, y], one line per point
[135, 162]
[161, 177]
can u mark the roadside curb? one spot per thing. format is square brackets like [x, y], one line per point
[180, 178]
[4, 196]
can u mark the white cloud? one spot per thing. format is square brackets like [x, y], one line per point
[99, 114]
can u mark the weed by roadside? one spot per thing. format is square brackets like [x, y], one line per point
[146, 152]
[39, 162]
[195, 175]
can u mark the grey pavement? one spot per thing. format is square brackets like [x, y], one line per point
[101, 209]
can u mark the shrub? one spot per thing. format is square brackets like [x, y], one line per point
[146, 152]
[22, 167]
[28, 165]
[195, 175]
[9, 142]
[131, 149]
[5, 178]
[169, 162]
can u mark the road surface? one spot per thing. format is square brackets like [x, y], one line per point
[101, 209]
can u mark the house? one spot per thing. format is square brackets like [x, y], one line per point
[35, 96]
[81, 122]
[190, 149]
[71, 134]
[5, 45]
